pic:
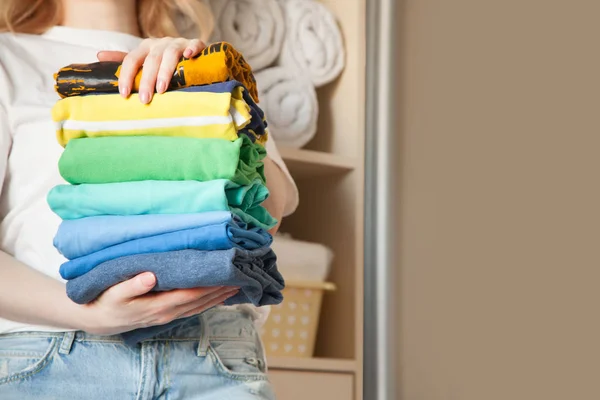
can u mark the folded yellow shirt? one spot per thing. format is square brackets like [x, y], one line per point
[186, 114]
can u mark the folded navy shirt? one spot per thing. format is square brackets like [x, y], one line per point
[222, 236]
[254, 271]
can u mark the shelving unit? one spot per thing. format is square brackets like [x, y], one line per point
[329, 172]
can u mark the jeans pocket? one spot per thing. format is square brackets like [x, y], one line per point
[238, 359]
[23, 356]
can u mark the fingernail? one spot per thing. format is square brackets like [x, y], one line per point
[124, 90]
[145, 97]
[161, 86]
[148, 279]
[187, 53]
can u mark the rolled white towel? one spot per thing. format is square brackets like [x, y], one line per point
[193, 29]
[313, 41]
[290, 104]
[254, 27]
[301, 261]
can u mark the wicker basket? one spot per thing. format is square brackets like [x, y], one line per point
[291, 329]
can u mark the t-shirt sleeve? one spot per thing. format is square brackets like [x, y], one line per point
[290, 187]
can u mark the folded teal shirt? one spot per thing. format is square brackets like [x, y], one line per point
[163, 197]
[80, 237]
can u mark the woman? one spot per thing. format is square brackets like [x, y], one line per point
[50, 347]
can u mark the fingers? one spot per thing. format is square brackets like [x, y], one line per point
[132, 288]
[206, 306]
[205, 299]
[159, 58]
[128, 305]
[111, 56]
[170, 58]
[169, 306]
[129, 69]
[159, 67]
[149, 73]
[176, 298]
[194, 48]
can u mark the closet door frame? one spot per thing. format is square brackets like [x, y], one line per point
[382, 143]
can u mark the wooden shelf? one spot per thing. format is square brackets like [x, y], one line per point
[312, 364]
[309, 163]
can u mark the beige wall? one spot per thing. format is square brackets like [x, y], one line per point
[500, 221]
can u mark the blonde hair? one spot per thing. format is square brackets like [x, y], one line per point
[157, 18]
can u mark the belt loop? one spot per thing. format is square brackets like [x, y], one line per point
[261, 352]
[204, 335]
[67, 343]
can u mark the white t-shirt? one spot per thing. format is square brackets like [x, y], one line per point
[29, 152]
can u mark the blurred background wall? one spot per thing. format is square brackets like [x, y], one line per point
[499, 114]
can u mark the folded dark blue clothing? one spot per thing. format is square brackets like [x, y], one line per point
[81, 237]
[254, 271]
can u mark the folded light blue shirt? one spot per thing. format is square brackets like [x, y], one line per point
[255, 272]
[81, 237]
[162, 197]
[209, 237]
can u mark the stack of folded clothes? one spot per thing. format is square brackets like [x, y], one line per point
[173, 187]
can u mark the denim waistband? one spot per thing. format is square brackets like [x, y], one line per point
[196, 328]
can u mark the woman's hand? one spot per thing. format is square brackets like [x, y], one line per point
[128, 305]
[159, 57]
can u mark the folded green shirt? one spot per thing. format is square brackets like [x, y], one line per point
[163, 197]
[139, 158]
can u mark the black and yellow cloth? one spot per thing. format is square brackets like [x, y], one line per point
[219, 62]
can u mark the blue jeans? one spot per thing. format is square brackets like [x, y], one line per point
[217, 355]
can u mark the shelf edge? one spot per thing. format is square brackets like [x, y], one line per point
[317, 158]
[312, 364]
